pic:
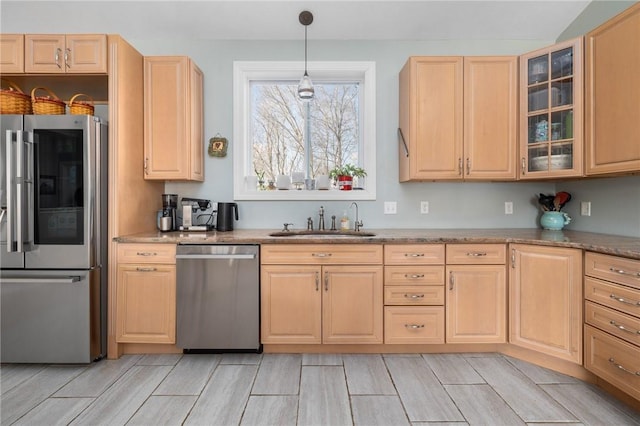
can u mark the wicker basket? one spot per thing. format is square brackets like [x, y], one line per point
[13, 100]
[81, 107]
[46, 105]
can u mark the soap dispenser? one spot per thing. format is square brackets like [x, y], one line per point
[344, 222]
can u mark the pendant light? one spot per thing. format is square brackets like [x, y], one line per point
[305, 87]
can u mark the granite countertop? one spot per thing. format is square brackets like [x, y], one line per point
[602, 243]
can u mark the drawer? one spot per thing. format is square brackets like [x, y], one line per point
[413, 324]
[474, 254]
[414, 275]
[612, 359]
[624, 326]
[613, 268]
[147, 253]
[414, 254]
[321, 254]
[615, 296]
[414, 295]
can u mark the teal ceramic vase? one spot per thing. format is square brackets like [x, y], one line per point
[554, 221]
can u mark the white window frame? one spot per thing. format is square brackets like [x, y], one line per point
[246, 71]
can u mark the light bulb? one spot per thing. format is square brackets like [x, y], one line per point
[305, 88]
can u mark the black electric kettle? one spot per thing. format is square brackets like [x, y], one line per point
[224, 221]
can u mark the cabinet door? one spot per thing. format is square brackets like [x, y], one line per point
[86, 53]
[431, 118]
[612, 93]
[545, 300]
[146, 303]
[352, 304]
[291, 304]
[551, 105]
[11, 53]
[476, 305]
[173, 119]
[44, 53]
[490, 117]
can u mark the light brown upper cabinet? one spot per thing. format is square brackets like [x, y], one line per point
[612, 114]
[173, 119]
[11, 53]
[60, 53]
[458, 118]
[551, 100]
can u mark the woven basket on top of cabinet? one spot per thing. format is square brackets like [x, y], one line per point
[13, 100]
[47, 105]
[81, 107]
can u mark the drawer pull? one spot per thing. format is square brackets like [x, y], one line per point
[146, 269]
[146, 253]
[623, 300]
[317, 281]
[414, 296]
[414, 255]
[414, 276]
[414, 326]
[620, 367]
[623, 272]
[321, 254]
[623, 328]
[476, 254]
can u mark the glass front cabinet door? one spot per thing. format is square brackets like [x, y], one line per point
[551, 100]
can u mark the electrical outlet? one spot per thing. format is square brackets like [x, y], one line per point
[424, 207]
[390, 207]
[585, 208]
[508, 207]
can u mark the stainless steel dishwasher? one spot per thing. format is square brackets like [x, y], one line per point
[218, 298]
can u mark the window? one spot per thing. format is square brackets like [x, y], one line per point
[276, 133]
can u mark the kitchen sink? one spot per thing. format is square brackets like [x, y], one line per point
[322, 234]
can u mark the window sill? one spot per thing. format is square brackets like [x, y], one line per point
[303, 195]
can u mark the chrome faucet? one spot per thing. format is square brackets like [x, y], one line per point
[357, 224]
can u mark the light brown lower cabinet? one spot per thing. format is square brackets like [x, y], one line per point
[476, 305]
[476, 302]
[146, 294]
[612, 320]
[321, 301]
[545, 300]
[612, 359]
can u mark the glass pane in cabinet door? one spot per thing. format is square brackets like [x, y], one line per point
[561, 156]
[538, 128]
[562, 63]
[538, 68]
[538, 158]
[538, 97]
[562, 92]
[562, 125]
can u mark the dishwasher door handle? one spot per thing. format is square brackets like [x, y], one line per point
[215, 256]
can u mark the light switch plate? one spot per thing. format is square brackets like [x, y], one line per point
[390, 207]
[585, 208]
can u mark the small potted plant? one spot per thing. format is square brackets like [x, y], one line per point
[343, 175]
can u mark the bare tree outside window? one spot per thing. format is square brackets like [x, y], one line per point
[279, 127]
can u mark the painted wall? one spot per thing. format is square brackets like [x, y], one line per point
[615, 201]
[452, 205]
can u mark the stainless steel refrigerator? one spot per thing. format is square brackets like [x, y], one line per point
[53, 251]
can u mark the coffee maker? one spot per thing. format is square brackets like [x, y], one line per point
[169, 209]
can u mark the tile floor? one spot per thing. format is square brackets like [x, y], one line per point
[310, 389]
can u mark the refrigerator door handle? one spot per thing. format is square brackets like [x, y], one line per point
[23, 178]
[10, 190]
[40, 280]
